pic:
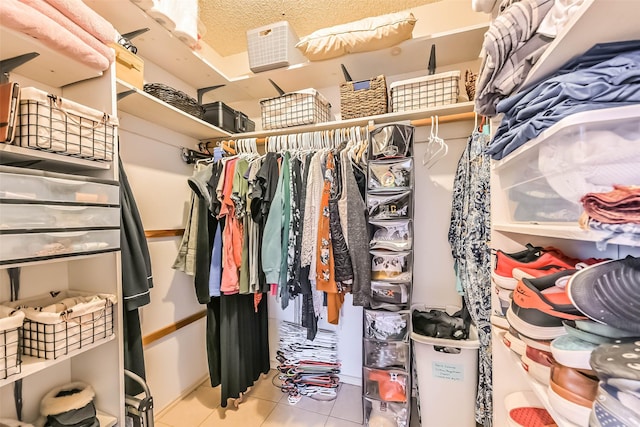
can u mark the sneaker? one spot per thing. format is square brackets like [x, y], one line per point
[524, 409]
[533, 273]
[608, 409]
[602, 334]
[571, 393]
[537, 363]
[534, 257]
[572, 352]
[618, 365]
[512, 340]
[544, 345]
[539, 306]
[609, 293]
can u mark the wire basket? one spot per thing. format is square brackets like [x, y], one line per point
[176, 98]
[51, 334]
[304, 107]
[425, 92]
[363, 98]
[49, 123]
[10, 339]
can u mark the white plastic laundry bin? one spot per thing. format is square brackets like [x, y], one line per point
[447, 381]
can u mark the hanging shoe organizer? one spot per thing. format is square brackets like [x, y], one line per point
[386, 377]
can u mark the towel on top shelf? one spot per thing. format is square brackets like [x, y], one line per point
[27, 20]
[178, 16]
[86, 18]
[50, 11]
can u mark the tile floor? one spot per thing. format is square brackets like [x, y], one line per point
[264, 406]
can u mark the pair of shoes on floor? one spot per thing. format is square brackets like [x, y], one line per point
[524, 409]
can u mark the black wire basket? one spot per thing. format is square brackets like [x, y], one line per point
[176, 98]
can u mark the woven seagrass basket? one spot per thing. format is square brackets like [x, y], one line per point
[176, 98]
[363, 98]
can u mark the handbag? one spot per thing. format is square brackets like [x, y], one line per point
[70, 405]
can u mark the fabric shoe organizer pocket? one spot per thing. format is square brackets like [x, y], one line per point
[379, 413]
[390, 174]
[386, 385]
[386, 354]
[391, 140]
[389, 295]
[389, 206]
[392, 235]
[392, 266]
[386, 325]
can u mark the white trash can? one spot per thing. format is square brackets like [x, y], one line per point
[447, 373]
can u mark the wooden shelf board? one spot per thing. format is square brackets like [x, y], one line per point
[569, 231]
[461, 107]
[33, 365]
[51, 67]
[578, 36]
[152, 109]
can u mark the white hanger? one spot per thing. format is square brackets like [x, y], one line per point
[436, 147]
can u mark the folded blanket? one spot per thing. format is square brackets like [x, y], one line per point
[22, 18]
[86, 18]
[46, 9]
[621, 205]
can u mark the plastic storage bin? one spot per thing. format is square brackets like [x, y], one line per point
[52, 123]
[34, 217]
[585, 152]
[425, 92]
[386, 325]
[62, 321]
[378, 413]
[303, 107]
[37, 246]
[386, 354]
[221, 115]
[447, 373]
[10, 347]
[19, 184]
[387, 385]
[273, 46]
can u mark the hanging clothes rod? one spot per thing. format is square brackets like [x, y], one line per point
[417, 122]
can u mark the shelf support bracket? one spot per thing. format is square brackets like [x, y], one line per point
[133, 34]
[204, 90]
[7, 65]
[124, 94]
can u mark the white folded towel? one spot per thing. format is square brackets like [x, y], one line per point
[163, 11]
[186, 19]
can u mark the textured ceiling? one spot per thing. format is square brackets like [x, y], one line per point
[228, 20]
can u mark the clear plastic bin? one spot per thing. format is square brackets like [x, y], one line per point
[583, 153]
[378, 413]
[34, 216]
[387, 385]
[387, 325]
[37, 246]
[386, 354]
[33, 185]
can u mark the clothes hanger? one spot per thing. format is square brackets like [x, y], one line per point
[436, 147]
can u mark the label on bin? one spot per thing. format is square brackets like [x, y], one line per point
[448, 371]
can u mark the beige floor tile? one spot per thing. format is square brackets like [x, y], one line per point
[264, 389]
[252, 412]
[159, 424]
[309, 404]
[193, 409]
[337, 422]
[348, 405]
[290, 416]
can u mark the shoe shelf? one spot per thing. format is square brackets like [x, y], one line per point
[32, 365]
[540, 391]
[570, 231]
[140, 104]
[578, 35]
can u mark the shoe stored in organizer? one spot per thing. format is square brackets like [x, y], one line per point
[618, 365]
[609, 293]
[572, 392]
[539, 306]
[608, 410]
[534, 257]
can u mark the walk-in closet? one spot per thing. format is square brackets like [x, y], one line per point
[319, 213]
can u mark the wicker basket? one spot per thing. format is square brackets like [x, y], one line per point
[176, 98]
[470, 84]
[363, 98]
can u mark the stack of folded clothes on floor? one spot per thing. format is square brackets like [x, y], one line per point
[563, 313]
[616, 211]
